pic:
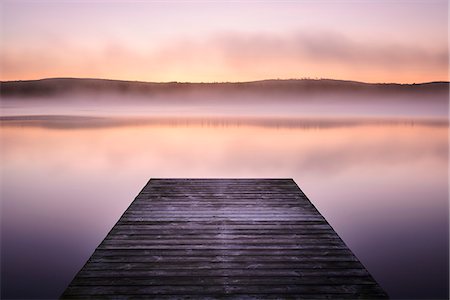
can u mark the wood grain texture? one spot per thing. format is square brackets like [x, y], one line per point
[222, 238]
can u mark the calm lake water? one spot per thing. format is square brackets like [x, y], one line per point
[382, 185]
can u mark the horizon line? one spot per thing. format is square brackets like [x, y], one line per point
[228, 82]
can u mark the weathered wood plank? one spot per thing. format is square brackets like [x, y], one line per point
[218, 280]
[128, 253]
[222, 238]
[283, 235]
[222, 265]
[222, 247]
[221, 289]
[220, 258]
[225, 272]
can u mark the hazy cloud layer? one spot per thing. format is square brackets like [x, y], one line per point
[234, 56]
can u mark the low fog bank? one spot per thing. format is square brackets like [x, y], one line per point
[288, 98]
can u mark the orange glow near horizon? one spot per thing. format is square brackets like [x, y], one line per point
[216, 72]
[200, 78]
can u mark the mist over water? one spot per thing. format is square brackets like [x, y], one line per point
[376, 168]
[330, 106]
[277, 98]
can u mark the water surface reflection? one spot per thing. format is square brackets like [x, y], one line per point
[381, 183]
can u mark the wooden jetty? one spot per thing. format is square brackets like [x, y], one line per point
[222, 238]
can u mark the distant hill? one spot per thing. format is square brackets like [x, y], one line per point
[66, 86]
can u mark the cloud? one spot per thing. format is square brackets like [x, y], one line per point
[326, 47]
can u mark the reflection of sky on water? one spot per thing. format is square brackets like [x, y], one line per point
[381, 184]
[305, 122]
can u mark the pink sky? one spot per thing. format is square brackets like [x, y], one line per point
[372, 41]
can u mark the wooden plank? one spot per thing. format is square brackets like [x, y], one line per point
[225, 272]
[221, 258]
[221, 289]
[222, 238]
[217, 280]
[129, 253]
